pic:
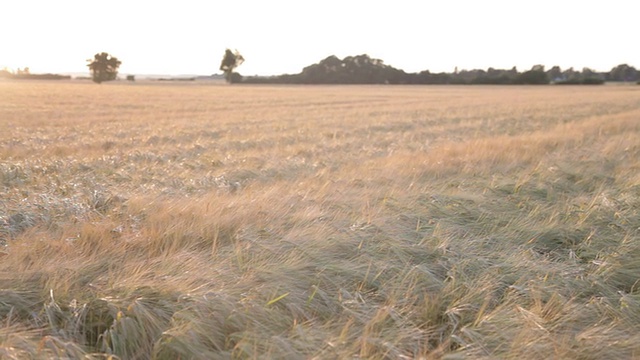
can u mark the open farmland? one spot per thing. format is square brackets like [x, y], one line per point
[179, 221]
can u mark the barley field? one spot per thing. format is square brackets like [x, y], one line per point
[198, 221]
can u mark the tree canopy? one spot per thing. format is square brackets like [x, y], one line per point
[624, 72]
[104, 67]
[230, 61]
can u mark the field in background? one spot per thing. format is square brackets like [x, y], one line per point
[178, 221]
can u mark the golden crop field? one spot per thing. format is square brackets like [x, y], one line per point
[198, 221]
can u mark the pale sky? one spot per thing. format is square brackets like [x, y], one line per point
[282, 36]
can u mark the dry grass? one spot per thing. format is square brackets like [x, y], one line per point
[191, 221]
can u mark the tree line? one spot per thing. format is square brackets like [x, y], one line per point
[362, 69]
[25, 73]
[104, 67]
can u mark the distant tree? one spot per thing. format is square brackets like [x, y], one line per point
[235, 78]
[104, 67]
[571, 75]
[360, 69]
[624, 72]
[230, 62]
[539, 68]
[588, 73]
[535, 76]
[555, 73]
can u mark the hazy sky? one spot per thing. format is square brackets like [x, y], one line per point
[279, 36]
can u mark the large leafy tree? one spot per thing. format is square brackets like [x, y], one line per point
[230, 62]
[104, 67]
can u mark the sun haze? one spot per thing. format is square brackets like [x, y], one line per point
[276, 37]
